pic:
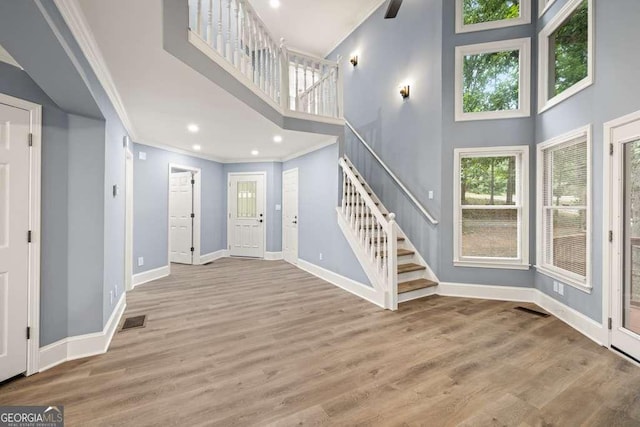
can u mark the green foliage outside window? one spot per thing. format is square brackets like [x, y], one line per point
[480, 11]
[491, 82]
[570, 47]
[488, 180]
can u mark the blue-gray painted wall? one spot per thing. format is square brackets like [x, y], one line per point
[405, 137]
[82, 140]
[318, 197]
[151, 205]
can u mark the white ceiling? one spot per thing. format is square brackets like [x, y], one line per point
[162, 95]
[314, 26]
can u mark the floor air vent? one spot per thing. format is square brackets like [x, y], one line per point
[134, 322]
[531, 311]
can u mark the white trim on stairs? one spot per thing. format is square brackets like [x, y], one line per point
[81, 346]
[359, 289]
[151, 275]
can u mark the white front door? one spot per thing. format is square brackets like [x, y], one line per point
[290, 216]
[625, 334]
[180, 217]
[247, 217]
[14, 247]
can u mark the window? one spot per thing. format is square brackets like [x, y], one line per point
[564, 208]
[566, 54]
[491, 214]
[493, 80]
[544, 5]
[478, 15]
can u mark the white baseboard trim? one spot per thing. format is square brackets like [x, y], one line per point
[273, 256]
[150, 276]
[359, 289]
[578, 321]
[213, 256]
[81, 346]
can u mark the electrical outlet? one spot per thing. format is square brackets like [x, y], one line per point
[321, 257]
[561, 289]
[111, 297]
[140, 261]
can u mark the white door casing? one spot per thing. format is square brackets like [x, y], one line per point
[181, 208]
[128, 263]
[290, 215]
[620, 134]
[247, 214]
[14, 245]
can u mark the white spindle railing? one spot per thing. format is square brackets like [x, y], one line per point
[377, 235]
[294, 81]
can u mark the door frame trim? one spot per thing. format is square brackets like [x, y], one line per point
[610, 223]
[264, 208]
[197, 207]
[297, 171]
[129, 222]
[35, 171]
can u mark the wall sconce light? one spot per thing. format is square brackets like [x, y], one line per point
[354, 60]
[405, 91]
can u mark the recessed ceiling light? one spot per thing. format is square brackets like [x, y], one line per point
[197, 147]
[274, 3]
[193, 128]
[277, 139]
[255, 152]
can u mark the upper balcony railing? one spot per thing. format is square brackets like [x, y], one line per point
[231, 31]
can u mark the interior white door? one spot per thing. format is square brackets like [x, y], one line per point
[625, 334]
[14, 247]
[247, 217]
[290, 216]
[180, 217]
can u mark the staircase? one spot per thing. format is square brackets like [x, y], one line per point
[393, 265]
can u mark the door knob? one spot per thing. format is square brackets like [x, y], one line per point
[295, 222]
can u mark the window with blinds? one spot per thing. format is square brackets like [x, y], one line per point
[564, 216]
[491, 207]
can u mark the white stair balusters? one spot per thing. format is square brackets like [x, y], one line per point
[376, 235]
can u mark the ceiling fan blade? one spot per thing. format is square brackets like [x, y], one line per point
[392, 10]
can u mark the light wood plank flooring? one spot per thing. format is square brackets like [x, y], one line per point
[262, 343]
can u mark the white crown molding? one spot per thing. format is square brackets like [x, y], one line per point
[81, 346]
[76, 21]
[362, 21]
[7, 58]
[310, 149]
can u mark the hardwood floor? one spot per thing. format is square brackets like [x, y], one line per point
[262, 343]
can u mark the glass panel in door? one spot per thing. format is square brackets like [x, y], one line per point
[631, 288]
[247, 199]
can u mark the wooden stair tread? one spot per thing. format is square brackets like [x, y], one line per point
[414, 285]
[401, 252]
[408, 268]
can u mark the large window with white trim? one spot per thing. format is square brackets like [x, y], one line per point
[478, 15]
[544, 5]
[564, 208]
[491, 207]
[493, 80]
[566, 54]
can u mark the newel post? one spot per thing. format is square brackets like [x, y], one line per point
[392, 267]
[284, 76]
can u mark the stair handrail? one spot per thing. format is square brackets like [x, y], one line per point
[379, 243]
[393, 176]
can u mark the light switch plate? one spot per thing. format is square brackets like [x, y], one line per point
[140, 261]
[561, 289]
[430, 195]
[278, 207]
[142, 155]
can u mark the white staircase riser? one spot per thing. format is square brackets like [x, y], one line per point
[413, 275]
[420, 293]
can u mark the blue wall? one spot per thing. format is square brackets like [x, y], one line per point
[417, 138]
[318, 225]
[151, 205]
